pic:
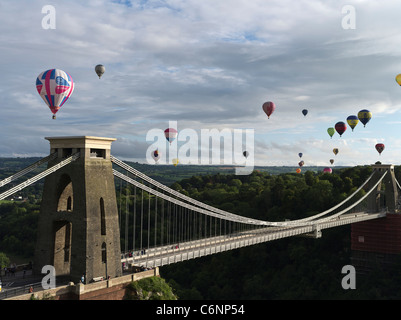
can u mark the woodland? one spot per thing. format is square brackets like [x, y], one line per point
[287, 269]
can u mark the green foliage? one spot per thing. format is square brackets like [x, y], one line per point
[18, 224]
[152, 288]
[294, 268]
[4, 260]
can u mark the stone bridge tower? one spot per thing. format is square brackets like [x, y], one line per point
[78, 230]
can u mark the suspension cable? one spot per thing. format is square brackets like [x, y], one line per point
[39, 176]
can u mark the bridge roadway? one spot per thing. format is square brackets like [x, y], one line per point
[159, 256]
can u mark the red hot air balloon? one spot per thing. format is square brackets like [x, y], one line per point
[380, 148]
[340, 127]
[268, 107]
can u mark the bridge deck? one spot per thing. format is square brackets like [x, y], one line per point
[159, 256]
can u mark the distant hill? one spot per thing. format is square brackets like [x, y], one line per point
[166, 174]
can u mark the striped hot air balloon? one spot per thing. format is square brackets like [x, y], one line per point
[170, 134]
[55, 87]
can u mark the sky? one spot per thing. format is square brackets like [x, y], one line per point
[206, 65]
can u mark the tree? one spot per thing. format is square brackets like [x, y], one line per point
[4, 260]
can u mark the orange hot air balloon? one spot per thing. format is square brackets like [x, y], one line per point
[268, 107]
[298, 170]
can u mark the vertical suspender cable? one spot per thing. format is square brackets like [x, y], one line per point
[126, 216]
[149, 221]
[168, 222]
[141, 247]
[162, 224]
[134, 224]
[155, 220]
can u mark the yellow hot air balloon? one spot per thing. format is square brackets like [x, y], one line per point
[335, 151]
[352, 121]
[298, 170]
[398, 79]
[175, 162]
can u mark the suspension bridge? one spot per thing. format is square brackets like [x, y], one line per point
[81, 226]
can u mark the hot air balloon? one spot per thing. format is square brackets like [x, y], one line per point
[55, 87]
[352, 121]
[175, 162]
[246, 154]
[327, 170]
[340, 127]
[398, 79]
[156, 155]
[380, 148]
[300, 154]
[331, 161]
[331, 132]
[298, 170]
[268, 107]
[301, 163]
[170, 134]
[304, 112]
[335, 151]
[364, 116]
[100, 69]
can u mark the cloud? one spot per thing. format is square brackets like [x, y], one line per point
[205, 64]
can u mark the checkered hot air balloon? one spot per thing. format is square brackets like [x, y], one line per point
[55, 87]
